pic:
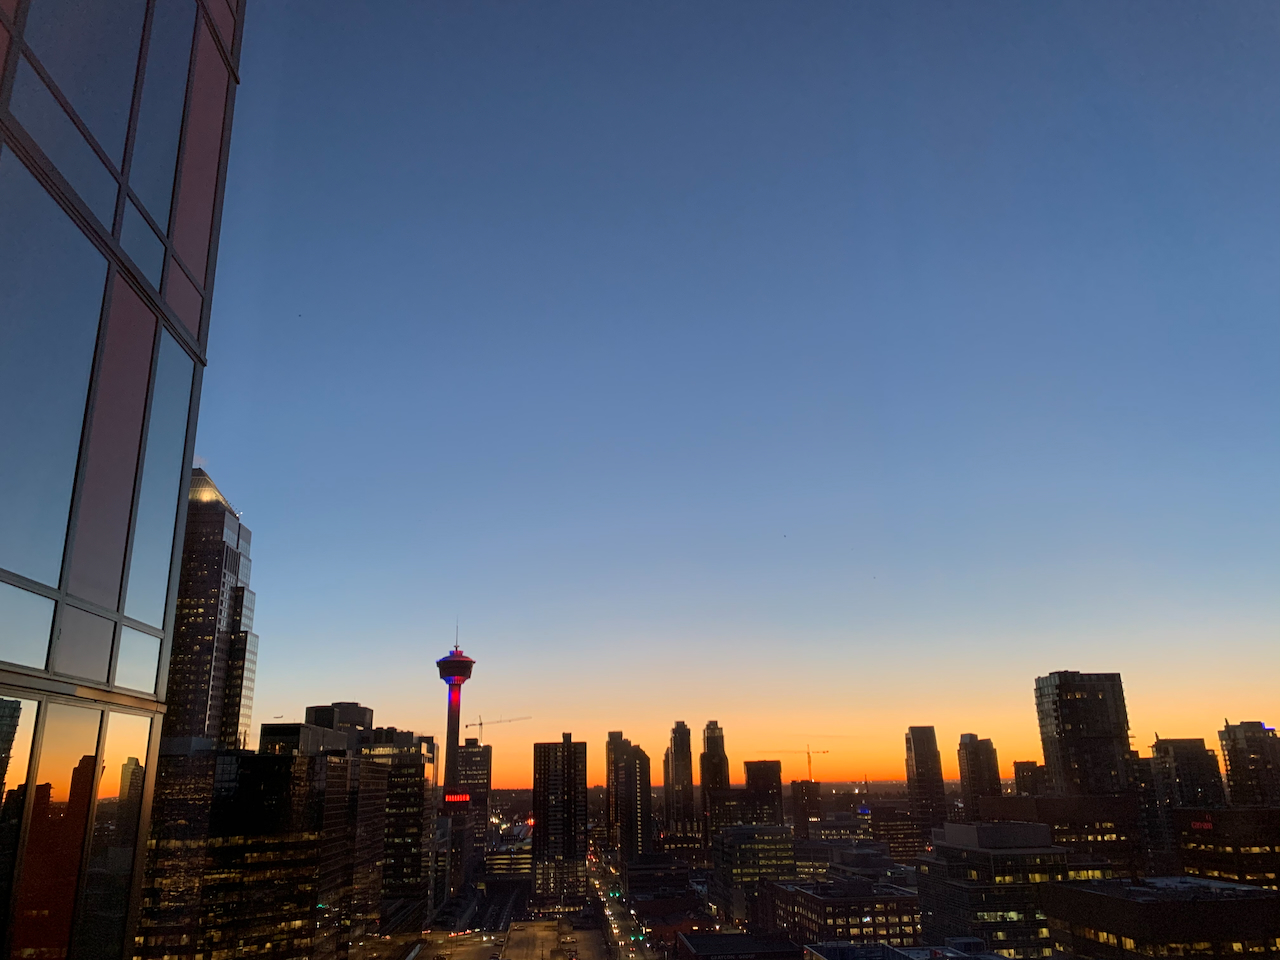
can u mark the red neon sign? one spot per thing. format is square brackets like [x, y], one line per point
[457, 798]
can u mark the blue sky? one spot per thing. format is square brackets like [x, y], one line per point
[819, 368]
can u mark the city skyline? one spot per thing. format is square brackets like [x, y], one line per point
[678, 350]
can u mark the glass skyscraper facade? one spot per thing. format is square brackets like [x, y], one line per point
[114, 122]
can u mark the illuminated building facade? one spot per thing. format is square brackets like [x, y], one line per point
[114, 124]
[763, 794]
[215, 651]
[855, 911]
[743, 859]
[475, 777]
[981, 881]
[1084, 731]
[1235, 844]
[409, 849]
[560, 823]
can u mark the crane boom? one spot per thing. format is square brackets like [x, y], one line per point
[480, 723]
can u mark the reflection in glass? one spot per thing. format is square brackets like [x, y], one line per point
[51, 283]
[46, 121]
[17, 726]
[59, 816]
[104, 904]
[26, 620]
[138, 660]
[141, 244]
[90, 49]
[155, 145]
[161, 480]
[84, 645]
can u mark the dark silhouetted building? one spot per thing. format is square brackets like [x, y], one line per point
[654, 876]
[979, 772]
[560, 822]
[806, 806]
[763, 794]
[455, 802]
[980, 881]
[892, 824]
[857, 911]
[1029, 779]
[1161, 917]
[630, 795]
[475, 778]
[300, 739]
[1235, 844]
[713, 771]
[735, 946]
[612, 746]
[1187, 773]
[926, 792]
[1251, 753]
[351, 719]
[678, 781]
[1084, 731]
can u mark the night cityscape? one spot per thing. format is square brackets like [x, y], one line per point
[893, 384]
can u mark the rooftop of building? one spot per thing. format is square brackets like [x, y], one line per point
[1006, 836]
[741, 946]
[1173, 890]
[204, 490]
[846, 888]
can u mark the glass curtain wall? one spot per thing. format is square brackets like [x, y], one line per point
[114, 121]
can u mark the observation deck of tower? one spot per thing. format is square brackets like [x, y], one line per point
[455, 670]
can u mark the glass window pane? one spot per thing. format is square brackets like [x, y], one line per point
[17, 727]
[51, 864]
[141, 244]
[84, 645]
[185, 299]
[164, 90]
[111, 461]
[51, 283]
[138, 660]
[161, 479]
[104, 904]
[26, 620]
[46, 121]
[201, 155]
[90, 48]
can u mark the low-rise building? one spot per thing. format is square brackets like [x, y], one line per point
[1236, 844]
[980, 881]
[1161, 917]
[859, 911]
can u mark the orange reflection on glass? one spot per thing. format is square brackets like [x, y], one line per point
[59, 816]
[104, 904]
[17, 728]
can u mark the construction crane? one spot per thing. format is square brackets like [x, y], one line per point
[808, 755]
[480, 723]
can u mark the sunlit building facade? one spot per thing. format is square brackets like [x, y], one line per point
[114, 121]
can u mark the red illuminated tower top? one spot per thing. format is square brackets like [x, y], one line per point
[455, 670]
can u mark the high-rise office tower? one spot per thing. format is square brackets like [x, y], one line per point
[713, 762]
[114, 125]
[352, 720]
[979, 772]
[631, 796]
[764, 791]
[1029, 779]
[215, 651]
[475, 777]
[806, 806]
[681, 811]
[926, 794]
[409, 857]
[612, 746]
[1251, 752]
[560, 821]
[1084, 731]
